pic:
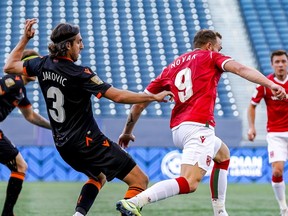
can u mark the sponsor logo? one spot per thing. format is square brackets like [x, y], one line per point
[208, 160]
[96, 80]
[9, 82]
[202, 138]
[271, 154]
[246, 166]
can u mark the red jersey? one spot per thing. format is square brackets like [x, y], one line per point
[193, 78]
[277, 110]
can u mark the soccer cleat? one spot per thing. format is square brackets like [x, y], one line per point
[284, 212]
[127, 208]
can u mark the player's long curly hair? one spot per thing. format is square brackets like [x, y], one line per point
[62, 34]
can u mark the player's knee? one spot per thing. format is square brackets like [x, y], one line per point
[277, 172]
[22, 166]
[144, 181]
[223, 154]
[17, 165]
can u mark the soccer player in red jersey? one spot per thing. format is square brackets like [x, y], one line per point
[67, 89]
[13, 94]
[277, 124]
[193, 79]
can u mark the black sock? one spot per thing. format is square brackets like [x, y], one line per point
[86, 198]
[13, 190]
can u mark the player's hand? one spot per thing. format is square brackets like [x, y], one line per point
[251, 134]
[161, 97]
[278, 91]
[29, 31]
[124, 140]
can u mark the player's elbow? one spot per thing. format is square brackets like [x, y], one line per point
[120, 98]
[7, 68]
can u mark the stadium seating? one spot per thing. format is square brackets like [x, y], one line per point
[266, 22]
[126, 42]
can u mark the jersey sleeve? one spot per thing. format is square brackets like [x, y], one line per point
[258, 94]
[11, 84]
[161, 83]
[220, 59]
[93, 84]
[31, 67]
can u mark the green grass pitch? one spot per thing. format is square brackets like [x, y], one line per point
[59, 198]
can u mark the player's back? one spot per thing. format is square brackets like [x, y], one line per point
[193, 78]
[67, 98]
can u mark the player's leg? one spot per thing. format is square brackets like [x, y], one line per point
[277, 154]
[88, 194]
[278, 184]
[162, 190]
[195, 160]
[11, 157]
[18, 169]
[218, 178]
[137, 182]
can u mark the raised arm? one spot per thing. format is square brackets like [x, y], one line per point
[14, 63]
[255, 76]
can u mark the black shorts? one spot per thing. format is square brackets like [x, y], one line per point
[100, 156]
[7, 150]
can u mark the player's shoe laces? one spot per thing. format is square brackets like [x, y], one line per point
[127, 208]
[222, 213]
[284, 212]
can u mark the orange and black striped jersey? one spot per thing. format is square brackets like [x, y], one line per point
[13, 94]
[67, 89]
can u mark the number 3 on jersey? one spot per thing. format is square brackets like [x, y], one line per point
[184, 84]
[58, 112]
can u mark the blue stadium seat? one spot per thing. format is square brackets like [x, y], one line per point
[127, 43]
[266, 21]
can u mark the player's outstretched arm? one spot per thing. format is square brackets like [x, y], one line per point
[13, 63]
[255, 76]
[251, 113]
[34, 117]
[129, 97]
[126, 136]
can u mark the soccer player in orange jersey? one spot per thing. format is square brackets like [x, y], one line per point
[67, 89]
[13, 94]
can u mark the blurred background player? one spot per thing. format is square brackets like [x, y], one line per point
[193, 79]
[277, 124]
[13, 94]
[67, 89]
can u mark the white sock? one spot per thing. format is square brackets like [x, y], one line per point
[158, 191]
[218, 186]
[279, 191]
[78, 214]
